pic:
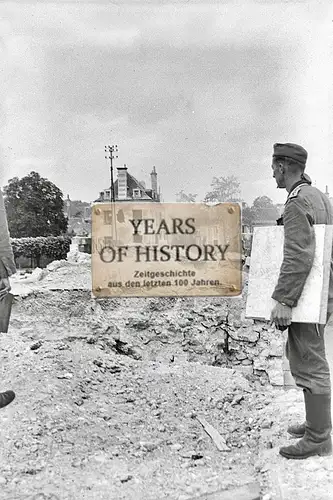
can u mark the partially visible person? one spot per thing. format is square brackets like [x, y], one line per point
[7, 269]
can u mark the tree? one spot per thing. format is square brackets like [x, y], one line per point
[224, 189]
[247, 215]
[263, 209]
[263, 202]
[77, 208]
[186, 197]
[34, 207]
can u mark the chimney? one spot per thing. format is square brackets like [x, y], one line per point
[122, 183]
[326, 192]
[153, 176]
[68, 206]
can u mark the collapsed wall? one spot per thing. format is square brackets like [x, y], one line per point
[210, 331]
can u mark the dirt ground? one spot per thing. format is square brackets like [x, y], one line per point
[93, 420]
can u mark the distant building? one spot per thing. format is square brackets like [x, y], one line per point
[78, 214]
[78, 227]
[67, 207]
[128, 188]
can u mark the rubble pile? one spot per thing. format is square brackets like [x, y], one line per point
[113, 397]
[92, 421]
[210, 331]
[74, 256]
[207, 331]
[58, 275]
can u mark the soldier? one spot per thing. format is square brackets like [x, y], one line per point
[7, 268]
[305, 349]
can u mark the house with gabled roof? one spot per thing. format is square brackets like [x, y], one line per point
[128, 188]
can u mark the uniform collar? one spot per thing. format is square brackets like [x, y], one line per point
[299, 183]
[296, 187]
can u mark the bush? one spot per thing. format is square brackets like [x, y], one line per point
[55, 247]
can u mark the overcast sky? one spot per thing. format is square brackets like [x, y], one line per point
[198, 90]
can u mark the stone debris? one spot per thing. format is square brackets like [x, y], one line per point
[36, 346]
[109, 407]
[126, 478]
[78, 257]
[211, 331]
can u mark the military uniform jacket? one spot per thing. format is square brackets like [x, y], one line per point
[7, 262]
[305, 206]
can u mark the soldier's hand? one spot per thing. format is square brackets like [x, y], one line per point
[281, 315]
[4, 286]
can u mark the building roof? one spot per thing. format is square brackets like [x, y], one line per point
[133, 183]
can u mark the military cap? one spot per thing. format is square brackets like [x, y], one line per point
[292, 151]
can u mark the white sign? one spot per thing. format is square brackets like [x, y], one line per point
[266, 260]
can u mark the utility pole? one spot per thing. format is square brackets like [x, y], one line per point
[111, 150]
